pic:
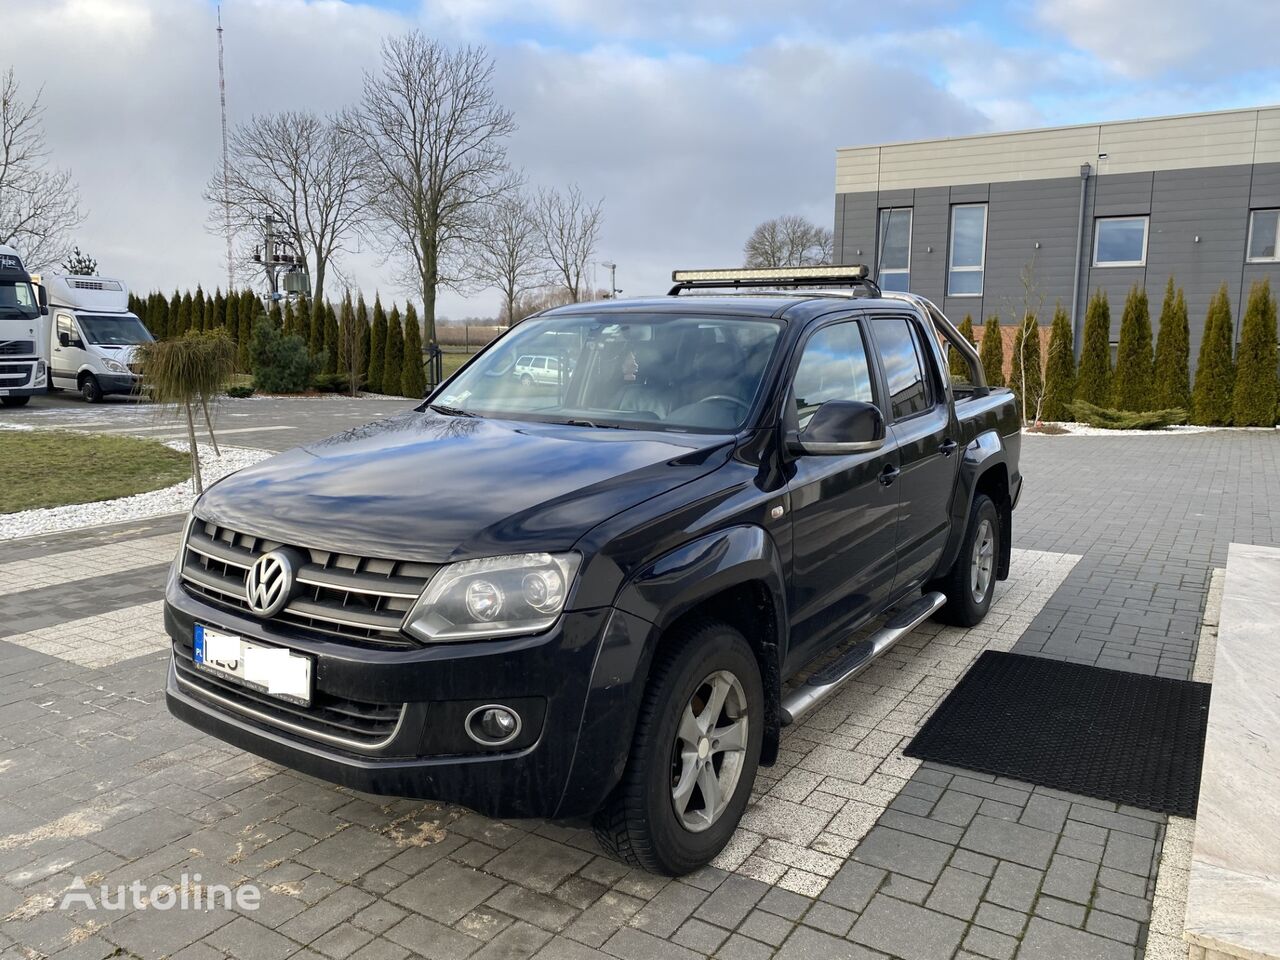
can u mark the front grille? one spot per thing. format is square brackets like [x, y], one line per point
[17, 348]
[362, 599]
[353, 723]
[15, 374]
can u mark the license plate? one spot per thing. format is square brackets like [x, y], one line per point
[271, 670]
[4, 393]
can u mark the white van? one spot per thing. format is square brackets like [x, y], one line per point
[92, 336]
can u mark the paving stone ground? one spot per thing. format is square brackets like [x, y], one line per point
[850, 850]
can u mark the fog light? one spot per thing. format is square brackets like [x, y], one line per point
[493, 725]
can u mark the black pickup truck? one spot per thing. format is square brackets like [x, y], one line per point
[601, 592]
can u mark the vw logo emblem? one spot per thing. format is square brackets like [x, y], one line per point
[269, 585]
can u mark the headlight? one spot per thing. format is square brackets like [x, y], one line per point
[495, 597]
[115, 366]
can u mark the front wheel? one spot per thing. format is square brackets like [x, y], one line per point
[970, 584]
[694, 758]
[90, 389]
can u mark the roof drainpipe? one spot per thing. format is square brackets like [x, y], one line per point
[1085, 170]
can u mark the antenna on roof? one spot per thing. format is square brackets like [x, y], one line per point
[226, 196]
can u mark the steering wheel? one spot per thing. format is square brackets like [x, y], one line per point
[746, 407]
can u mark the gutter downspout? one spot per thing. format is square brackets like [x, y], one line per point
[1085, 170]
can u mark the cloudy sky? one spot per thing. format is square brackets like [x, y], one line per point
[693, 119]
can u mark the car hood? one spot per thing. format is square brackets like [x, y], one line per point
[427, 487]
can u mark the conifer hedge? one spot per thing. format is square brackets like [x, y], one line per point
[1211, 397]
[1060, 368]
[992, 352]
[1093, 381]
[1173, 351]
[1132, 385]
[1257, 388]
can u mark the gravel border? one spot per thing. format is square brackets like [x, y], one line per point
[141, 506]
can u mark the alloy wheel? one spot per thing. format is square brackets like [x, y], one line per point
[708, 753]
[982, 562]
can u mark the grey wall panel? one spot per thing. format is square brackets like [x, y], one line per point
[956, 307]
[857, 241]
[1020, 215]
[1211, 204]
[837, 231]
[1265, 190]
[1122, 194]
[969, 192]
[930, 228]
[896, 198]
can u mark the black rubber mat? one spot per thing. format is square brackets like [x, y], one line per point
[1108, 734]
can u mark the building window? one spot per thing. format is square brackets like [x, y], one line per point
[968, 250]
[1120, 242]
[895, 249]
[1264, 231]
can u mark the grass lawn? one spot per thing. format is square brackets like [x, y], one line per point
[53, 468]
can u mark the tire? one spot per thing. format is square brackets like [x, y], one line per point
[15, 401]
[90, 389]
[640, 823]
[971, 582]
[526, 380]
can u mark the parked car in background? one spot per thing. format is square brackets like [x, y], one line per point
[530, 369]
[605, 599]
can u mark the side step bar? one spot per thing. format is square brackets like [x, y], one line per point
[823, 683]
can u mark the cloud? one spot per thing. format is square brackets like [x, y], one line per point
[1151, 38]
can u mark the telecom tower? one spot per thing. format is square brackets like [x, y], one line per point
[226, 198]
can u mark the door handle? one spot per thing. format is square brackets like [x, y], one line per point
[889, 474]
[948, 447]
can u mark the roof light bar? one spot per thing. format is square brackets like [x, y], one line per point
[846, 272]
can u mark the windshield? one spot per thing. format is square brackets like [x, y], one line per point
[17, 299]
[643, 371]
[114, 331]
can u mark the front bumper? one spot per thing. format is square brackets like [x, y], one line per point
[119, 382]
[548, 678]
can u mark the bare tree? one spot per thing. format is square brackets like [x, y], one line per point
[509, 253]
[1027, 376]
[436, 138]
[301, 169]
[789, 241]
[570, 229]
[39, 206]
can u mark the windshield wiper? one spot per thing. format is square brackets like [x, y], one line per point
[580, 422]
[451, 411]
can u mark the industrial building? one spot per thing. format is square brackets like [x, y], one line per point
[964, 220]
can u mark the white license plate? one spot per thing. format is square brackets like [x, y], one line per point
[271, 670]
[4, 393]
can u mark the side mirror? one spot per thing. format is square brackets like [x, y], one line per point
[42, 298]
[841, 427]
[64, 338]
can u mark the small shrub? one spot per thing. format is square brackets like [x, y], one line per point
[1027, 377]
[280, 362]
[239, 392]
[327, 382]
[1109, 419]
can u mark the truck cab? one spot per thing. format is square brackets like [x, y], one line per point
[92, 336]
[22, 330]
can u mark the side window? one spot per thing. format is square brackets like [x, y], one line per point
[832, 367]
[66, 325]
[904, 367]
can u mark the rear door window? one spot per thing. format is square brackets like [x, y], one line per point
[904, 366]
